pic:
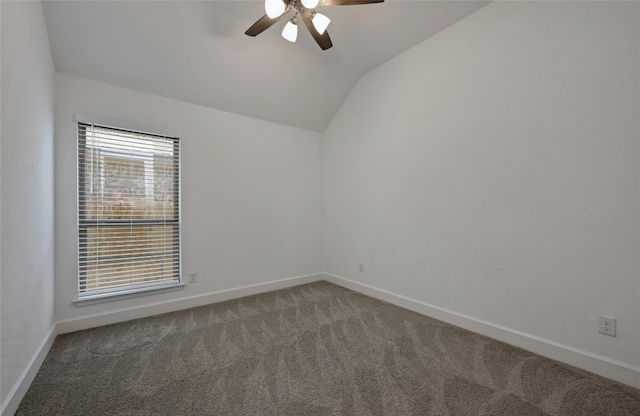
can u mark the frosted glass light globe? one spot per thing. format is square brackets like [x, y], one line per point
[290, 31]
[310, 4]
[320, 22]
[274, 8]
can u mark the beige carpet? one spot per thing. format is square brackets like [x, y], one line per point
[315, 349]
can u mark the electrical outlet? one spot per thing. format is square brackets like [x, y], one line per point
[607, 326]
[193, 277]
[361, 267]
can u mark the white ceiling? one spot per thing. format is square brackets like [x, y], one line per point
[196, 51]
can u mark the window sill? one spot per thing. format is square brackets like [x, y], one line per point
[126, 294]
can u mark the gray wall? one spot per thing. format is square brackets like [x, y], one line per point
[492, 171]
[251, 196]
[27, 299]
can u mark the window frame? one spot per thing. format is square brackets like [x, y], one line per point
[137, 289]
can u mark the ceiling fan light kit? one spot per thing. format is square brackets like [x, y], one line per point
[310, 4]
[316, 23]
[290, 31]
[320, 21]
[274, 8]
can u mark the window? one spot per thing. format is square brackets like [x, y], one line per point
[128, 211]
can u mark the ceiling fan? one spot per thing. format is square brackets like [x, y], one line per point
[316, 23]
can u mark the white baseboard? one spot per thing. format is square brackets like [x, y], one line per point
[598, 364]
[11, 403]
[127, 314]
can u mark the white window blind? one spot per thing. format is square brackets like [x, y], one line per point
[128, 210]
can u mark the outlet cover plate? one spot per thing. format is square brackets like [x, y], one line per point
[607, 326]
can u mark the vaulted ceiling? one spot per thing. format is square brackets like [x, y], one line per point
[196, 51]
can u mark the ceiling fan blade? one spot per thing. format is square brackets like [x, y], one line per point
[347, 2]
[324, 41]
[264, 23]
